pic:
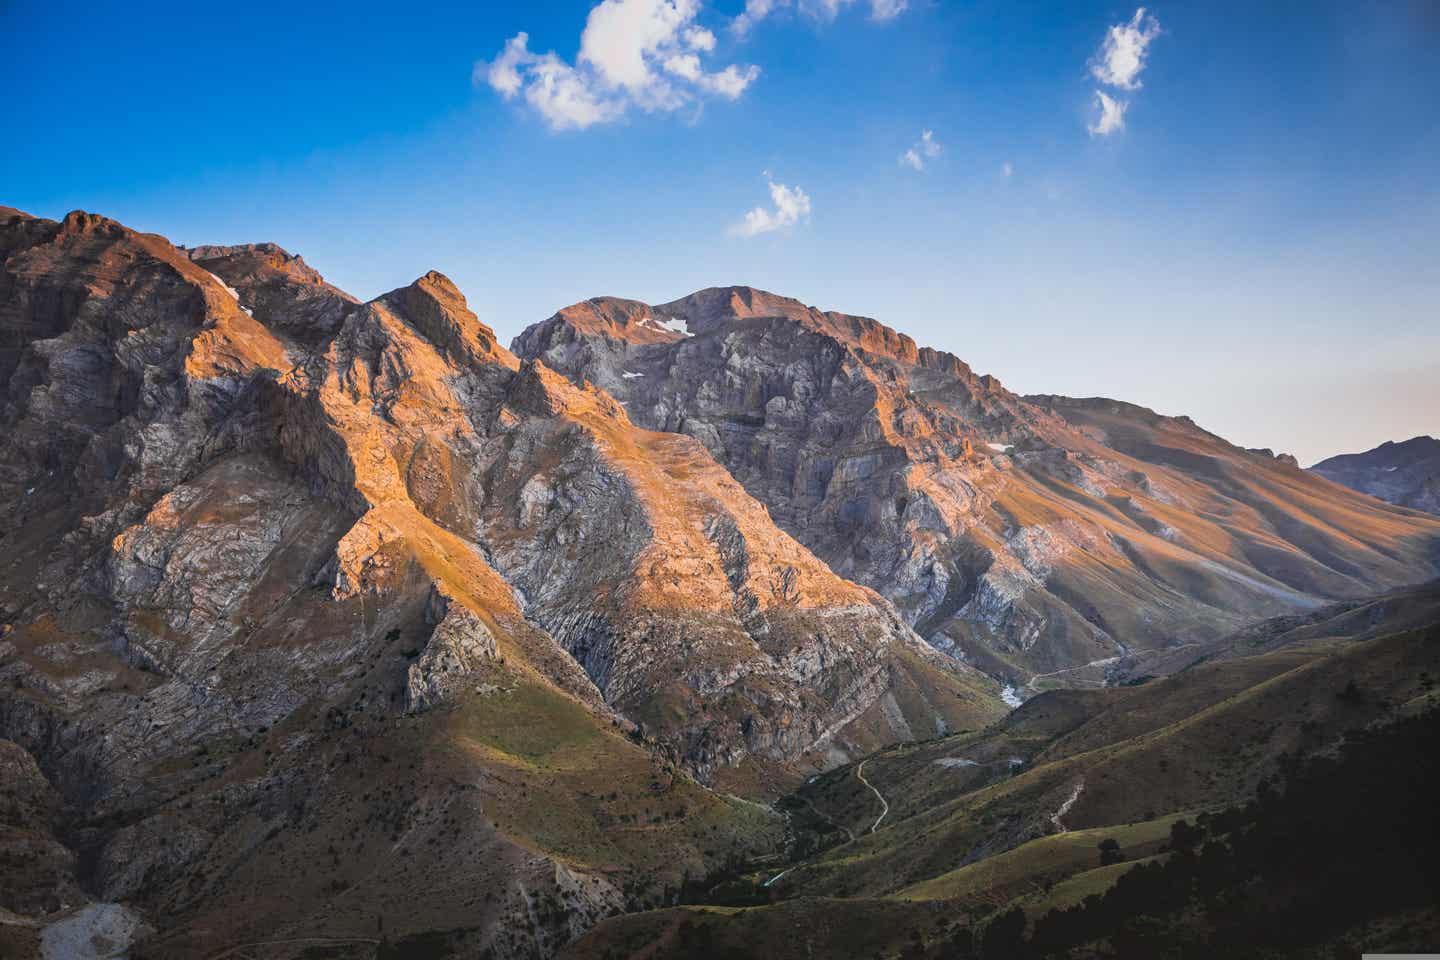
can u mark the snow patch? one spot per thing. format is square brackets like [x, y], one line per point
[1011, 697]
[631, 376]
[955, 762]
[1000, 447]
[670, 324]
[228, 289]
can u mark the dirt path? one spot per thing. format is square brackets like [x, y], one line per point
[884, 807]
[320, 941]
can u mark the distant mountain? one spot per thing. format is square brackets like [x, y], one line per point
[1040, 538]
[1407, 473]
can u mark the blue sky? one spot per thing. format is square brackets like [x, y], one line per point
[1258, 246]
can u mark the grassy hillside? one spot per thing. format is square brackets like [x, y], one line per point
[979, 823]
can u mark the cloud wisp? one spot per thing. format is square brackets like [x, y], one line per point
[1118, 64]
[791, 206]
[821, 10]
[645, 54]
[927, 148]
[1112, 115]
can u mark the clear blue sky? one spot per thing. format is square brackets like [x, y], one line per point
[1258, 246]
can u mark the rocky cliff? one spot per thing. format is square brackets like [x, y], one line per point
[1040, 538]
[308, 601]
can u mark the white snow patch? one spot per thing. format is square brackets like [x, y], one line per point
[228, 289]
[776, 877]
[1000, 447]
[631, 376]
[1011, 698]
[955, 762]
[671, 324]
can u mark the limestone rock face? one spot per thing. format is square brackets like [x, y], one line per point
[1035, 537]
[308, 602]
[453, 655]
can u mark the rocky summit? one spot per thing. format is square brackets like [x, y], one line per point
[337, 625]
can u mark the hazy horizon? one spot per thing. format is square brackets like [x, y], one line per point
[1216, 212]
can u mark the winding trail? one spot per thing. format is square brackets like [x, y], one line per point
[884, 807]
[319, 941]
[1104, 662]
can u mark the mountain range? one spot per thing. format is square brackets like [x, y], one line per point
[330, 626]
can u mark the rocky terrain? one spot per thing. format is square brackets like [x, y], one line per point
[1035, 537]
[337, 628]
[291, 579]
[1406, 473]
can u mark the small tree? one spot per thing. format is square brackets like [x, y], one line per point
[1110, 852]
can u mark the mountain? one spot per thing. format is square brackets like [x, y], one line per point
[1407, 473]
[306, 600]
[335, 628]
[1041, 538]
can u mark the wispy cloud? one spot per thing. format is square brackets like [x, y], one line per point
[1112, 115]
[1007, 169]
[792, 206]
[633, 53]
[925, 149]
[1118, 64]
[821, 10]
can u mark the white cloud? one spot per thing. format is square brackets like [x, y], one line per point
[754, 12]
[887, 9]
[633, 53]
[1121, 56]
[698, 38]
[1112, 115]
[926, 148]
[823, 10]
[792, 206]
[730, 82]
[1007, 169]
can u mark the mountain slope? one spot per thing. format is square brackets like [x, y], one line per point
[1406, 474]
[338, 598]
[1027, 535]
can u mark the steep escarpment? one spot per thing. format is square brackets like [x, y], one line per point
[1040, 538]
[337, 598]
